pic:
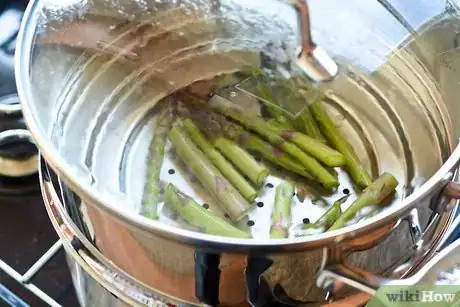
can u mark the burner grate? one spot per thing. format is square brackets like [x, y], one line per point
[25, 279]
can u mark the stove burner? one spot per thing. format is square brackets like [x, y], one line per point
[18, 154]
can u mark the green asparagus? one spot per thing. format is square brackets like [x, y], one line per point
[271, 106]
[220, 162]
[264, 129]
[232, 202]
[315, 148]
[353, 164]
[306, 124]
[305, 121]
[328, 218]
[255, 171]
[374, 194]
[281, 215]
[200, 217]
[279, 125]
[256, 145]
[156, 156]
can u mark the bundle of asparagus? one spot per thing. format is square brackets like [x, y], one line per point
[222, 159]
[303, 123]
[282, 139]
[232, 202]
[220, 162]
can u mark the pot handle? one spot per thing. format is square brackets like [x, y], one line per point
[442, 265]
[333, 277]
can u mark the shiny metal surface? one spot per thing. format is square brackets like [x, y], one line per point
[404, 128]
[312, 59]
[89, 104]
[442, 269]
[169, 272]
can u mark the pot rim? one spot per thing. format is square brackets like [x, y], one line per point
[133, 219]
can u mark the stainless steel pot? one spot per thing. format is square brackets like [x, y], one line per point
[98, 282]
[90, 73]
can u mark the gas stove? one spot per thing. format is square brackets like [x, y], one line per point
[33, 266]
[18, 155]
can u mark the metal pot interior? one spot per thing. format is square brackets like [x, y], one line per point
[98, 69]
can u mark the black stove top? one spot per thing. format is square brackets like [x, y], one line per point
[16, 146]
[25, 230]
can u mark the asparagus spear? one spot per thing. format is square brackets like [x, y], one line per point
[281, 215]
[249, 141]
[255, 144]
[313, 143]
[200, 217]
[264, 129]
[232, 202]
[255, 171]
[220, 162]
[306, 124]
[277, 124]
[278, 115]
[156, 156]
[273, 154]
[315, 148]
[354, 166]
[328, 218]
[374, 194]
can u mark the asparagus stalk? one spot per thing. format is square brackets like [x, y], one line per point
[249, 141]
[220, 162]
[281, 215]
[284, 128]
[374, 194]
[354, 166]
[273, 154]
[306, 124]
[255, 171]
[278, 115]
[232, 202]
[156, 156]
[277, 124]
[328, 218]
[200, 217]
[264, 129]
[315, 148]
[256, 145]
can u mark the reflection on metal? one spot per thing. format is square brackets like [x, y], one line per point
[312, 59]
[391, 9]
[24, 280]
[452, 6]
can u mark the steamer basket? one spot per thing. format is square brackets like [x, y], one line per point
[91, 76]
